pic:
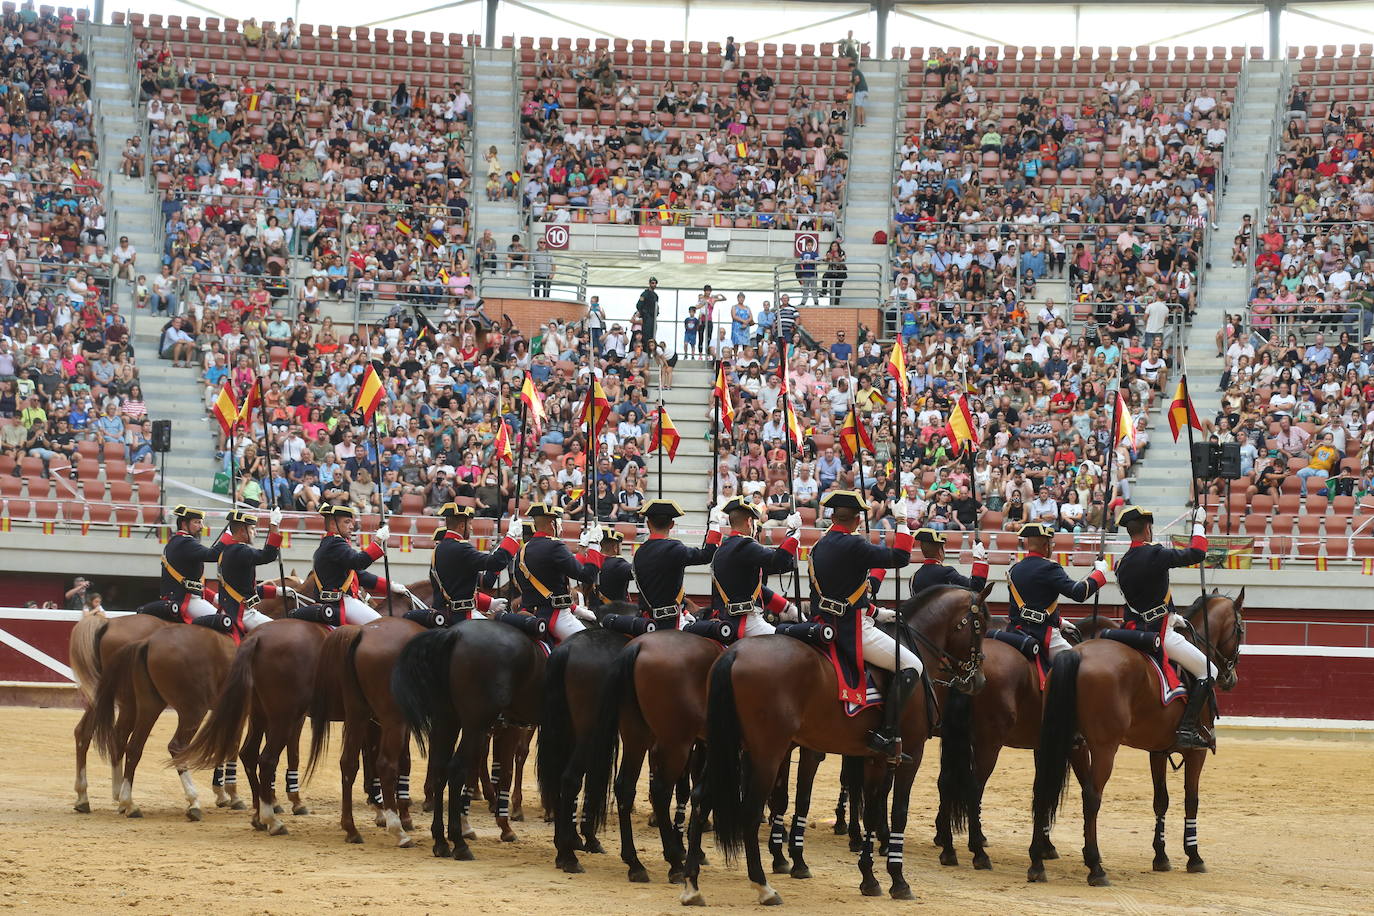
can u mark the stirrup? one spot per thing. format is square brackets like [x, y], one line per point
[1194, 738]
[887, 746]
[220, 623]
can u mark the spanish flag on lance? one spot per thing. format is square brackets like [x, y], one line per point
[404, 227]
[501, 444]
[721, 390]
[224, 409]
[665, 435]
[250, 401]
[896, 367]
[1181, 412]
[1125, 427]
[793, 429]
[371, 392]
[596, 410]
[530, 395]
[854, 436]
[961, 427]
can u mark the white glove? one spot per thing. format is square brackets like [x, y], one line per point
[980, 552]
[903, 527]
[790, 613]
[591, 537]
[399, 589]
[688, 619]
[381, 535]
[793, 524]
[582, 613]
[516, 528]
[717, 517]
[497, 605]
[274, 517]
[1100, 566]
[885, 615]
[1198, 518]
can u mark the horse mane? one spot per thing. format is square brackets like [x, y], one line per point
[917, 608]
[1198, 604]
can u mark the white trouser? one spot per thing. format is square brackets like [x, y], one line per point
[252, 618]
[566, 624]
[752, 624]
[1057, 641]
[881, 649]
[357, 611]
[1185, 653]
[199, 607]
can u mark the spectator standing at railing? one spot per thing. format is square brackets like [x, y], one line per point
[646, 307]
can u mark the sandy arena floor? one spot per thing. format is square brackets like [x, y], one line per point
[1286, 826]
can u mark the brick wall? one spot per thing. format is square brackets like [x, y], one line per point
[822, 323]
[529, 314]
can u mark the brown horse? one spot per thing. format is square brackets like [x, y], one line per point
[176, 666]
[752, 725]
[355, 666]
[973, 731]
[1108, 693]
[471, 679]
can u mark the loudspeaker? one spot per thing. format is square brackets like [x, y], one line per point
[162, 435]
[1207, 460]
[1228, 463]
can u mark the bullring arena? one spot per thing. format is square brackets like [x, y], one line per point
[358, 378]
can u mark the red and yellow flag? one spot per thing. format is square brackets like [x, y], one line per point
[961, 427]
[371, 393]
[501, 444]
[896, 367]
[665, 434]
[254, 101]
[1181, 412]
[854, 436]
[250, 401]
[793, 429]
[404, 227]
[722, 395]
[435, 241]
[224, 409]
[1125, 425]
[596, 410]
[530, 395]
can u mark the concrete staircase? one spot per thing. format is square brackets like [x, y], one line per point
[868, 204]
[171, 394]
[1162, 480]
[495, 102]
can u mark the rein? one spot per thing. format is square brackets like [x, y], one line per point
[1226, 665]
[964, 671]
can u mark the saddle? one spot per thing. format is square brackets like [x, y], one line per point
[1031, 648]
[1151, 645]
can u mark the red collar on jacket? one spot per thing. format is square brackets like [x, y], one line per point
[840, 528]
[1139, 543]
[930, 561]
[658, 537]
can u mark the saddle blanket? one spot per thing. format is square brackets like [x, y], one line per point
[872, 697]
[1170, 687]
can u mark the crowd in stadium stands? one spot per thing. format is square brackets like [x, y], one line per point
[725, 137]
[69, 388]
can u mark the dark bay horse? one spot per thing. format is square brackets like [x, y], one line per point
[1109, 694]
[176, 665]
[973, 731]
[770, 692]
[456, 686]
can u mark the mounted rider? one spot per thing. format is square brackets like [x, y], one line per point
[340, 569]
[543, 566]
[613, 581]
[660, 564]
[933, 570]
[845, 567]
[456, 566]
[1037, 583]
[239, 560]
[1143, 575]
[740, 566]
[181, 586]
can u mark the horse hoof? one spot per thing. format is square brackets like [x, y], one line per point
[800, 872]
[1163, 864]
[692, 899]
[780, 866]
[133, 812]
[676, 876]
[441, 850]
[259, 825]
[981, 862]
[407, 843]
[462, 854]
[193, 814]
[949, 857]
[1035, 875]
[82, 808]
[1050, 853]
[771, 900]
[639, 875]
[1099, 881]
[357, 839]
[517, 816]
[407, 824]
[279, 830]
[427, 807]
[856, 845]
[901, 892]
[223, 802]
[278, 809]
[300, 810]
[570, 865]
[841, 828]
[469, 834]
[508, 836]
[379, 820]
[1197, 867]
[593, 847]
[238, 804]
[871, 888]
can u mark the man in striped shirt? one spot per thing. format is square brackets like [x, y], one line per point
[788, 315]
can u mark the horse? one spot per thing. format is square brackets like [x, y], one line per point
[973, 731]
[355, 666]
[573, 680]
[176, 666]
[752, 724]
[468, 680]
[1108, 694]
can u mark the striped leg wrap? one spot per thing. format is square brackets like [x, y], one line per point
[680, 815]
[218, 779]
[1190, 833]
[1159, 831]
[895, 843]
[776, 830]
[467, 802]
[798, 832]
[231, 773]
[403, 788]
[374, 792]
[293, 781]
[503, 803]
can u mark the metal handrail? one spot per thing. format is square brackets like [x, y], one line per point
[1228, 151]
[677, 216]
[862, 285]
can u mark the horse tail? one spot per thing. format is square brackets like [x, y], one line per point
[115, 678]
[617, 692]
[219, 737]
[727, 766]
[556, 737]
[333, 676]
[957, 783]
[420, 681]
[1057, 732]
[83, 651]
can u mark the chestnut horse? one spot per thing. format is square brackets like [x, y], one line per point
[1108, 694]
[752, 723]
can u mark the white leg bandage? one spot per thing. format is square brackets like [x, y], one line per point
[881, 649]
[358, 612]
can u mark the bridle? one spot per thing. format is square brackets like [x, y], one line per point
[963, 674]
[1226, 664]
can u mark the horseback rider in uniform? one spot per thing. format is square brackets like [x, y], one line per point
[1143, 575]
[933, 570]
[340, 570]
[182, 583]
[239, 560]
[1037, 583]
[740, 565]
[613, 581]
[844, 568]
[543, 566]
[457, 565]
[661, 562]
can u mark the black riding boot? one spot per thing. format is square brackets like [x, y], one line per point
[1191, 734]
[886, 739]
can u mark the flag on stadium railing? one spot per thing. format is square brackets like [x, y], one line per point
[961, 427]
[1181, 412]
[1125, 427]
[251, 400]
[501, 444]
[224, 409]
[854, 436]
[896, 367]
[665, 435]
[596, 410]
[722, 393]
[530, 395]
[371, 393]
